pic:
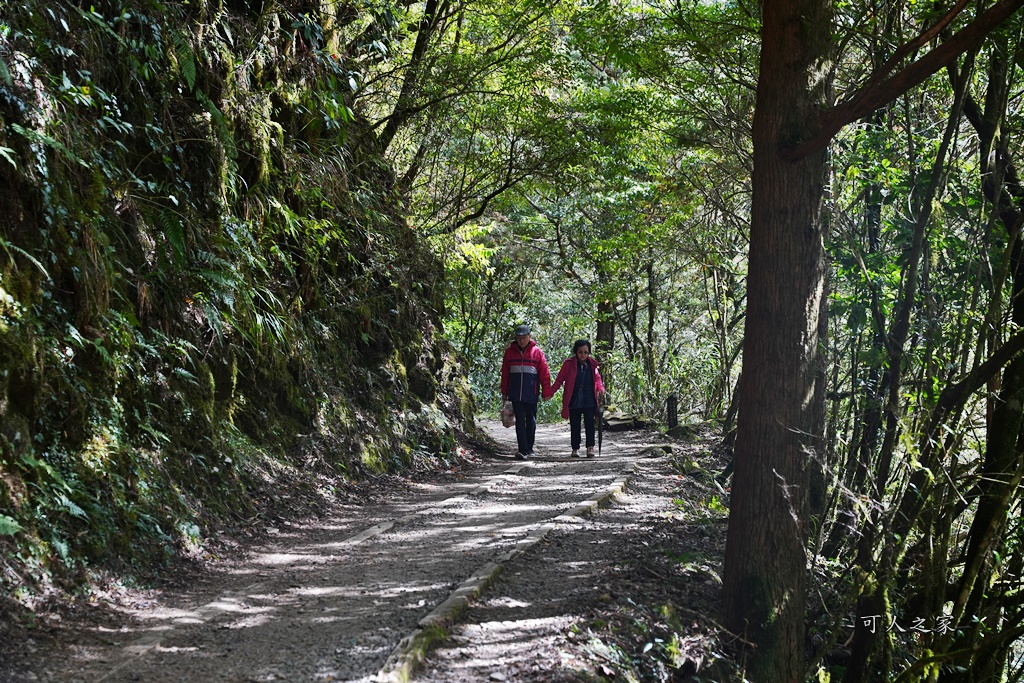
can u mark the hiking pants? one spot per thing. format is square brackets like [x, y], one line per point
[587, 415]
[526, 425]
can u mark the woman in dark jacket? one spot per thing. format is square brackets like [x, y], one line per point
[582, 395]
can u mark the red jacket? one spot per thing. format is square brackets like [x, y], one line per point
[524, 373]
[567, 375]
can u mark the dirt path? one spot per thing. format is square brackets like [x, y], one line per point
[332, 601]
[623, 594]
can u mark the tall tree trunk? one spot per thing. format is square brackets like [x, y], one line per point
[605, 341]
[765, 559]
[652, 317]
[763, 596]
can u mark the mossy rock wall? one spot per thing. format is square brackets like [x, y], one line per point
[208, 288]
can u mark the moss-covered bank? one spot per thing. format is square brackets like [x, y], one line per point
[207, 284]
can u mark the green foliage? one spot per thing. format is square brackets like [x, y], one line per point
[8, 526]
[205, 280]
[618, 214]
[230, 236]
[637, 119]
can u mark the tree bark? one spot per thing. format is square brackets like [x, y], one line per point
[765, 560]
[605, 341]
[403, 105]
[764, 577]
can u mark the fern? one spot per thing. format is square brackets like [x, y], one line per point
[71, 506]
[186, 60]
[37, 137]
[8, 247]
[174, 231]
[34, 464]
[184, 374]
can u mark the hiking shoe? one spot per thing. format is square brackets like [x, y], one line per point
[590, 451]
[520, 456]
[575, 453]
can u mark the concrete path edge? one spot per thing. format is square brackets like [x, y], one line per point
[412, 650]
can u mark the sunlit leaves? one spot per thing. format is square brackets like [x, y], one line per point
[7, 154]
[8, 526]
[615, 216]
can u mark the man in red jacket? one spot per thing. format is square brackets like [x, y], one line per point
[525, 378]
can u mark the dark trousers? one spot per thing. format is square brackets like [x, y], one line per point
[574, 426]
[526, 425]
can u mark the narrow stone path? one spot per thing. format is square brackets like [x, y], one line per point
[333, 600]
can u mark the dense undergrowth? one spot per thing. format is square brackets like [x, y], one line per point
[208, 291]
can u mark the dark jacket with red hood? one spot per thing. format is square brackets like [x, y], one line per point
[567, 375]
[524, 373]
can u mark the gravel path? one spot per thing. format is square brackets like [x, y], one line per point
[331, 600]
[551, 615]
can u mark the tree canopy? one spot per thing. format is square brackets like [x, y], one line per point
[240, 238]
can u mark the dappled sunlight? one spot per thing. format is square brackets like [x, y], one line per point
[501, 631]
[166, 614]
[279, 559]
[504, 646]
[508, 602]
[400, 591]
[249, 622]
[341, 617]
[577, 565]
[324, 591]
[340, 595]
[338, 524]
[162, 649]
[492, 510]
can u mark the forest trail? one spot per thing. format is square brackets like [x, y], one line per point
[333, 599]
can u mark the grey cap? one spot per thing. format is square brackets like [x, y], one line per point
[522, 330]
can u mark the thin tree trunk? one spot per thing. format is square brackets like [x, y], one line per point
[1003, 465]
[411, 83]
[875, 599]
[652, 316]
[604, 343]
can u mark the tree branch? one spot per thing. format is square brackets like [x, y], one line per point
[877, 92]
[398, 116]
